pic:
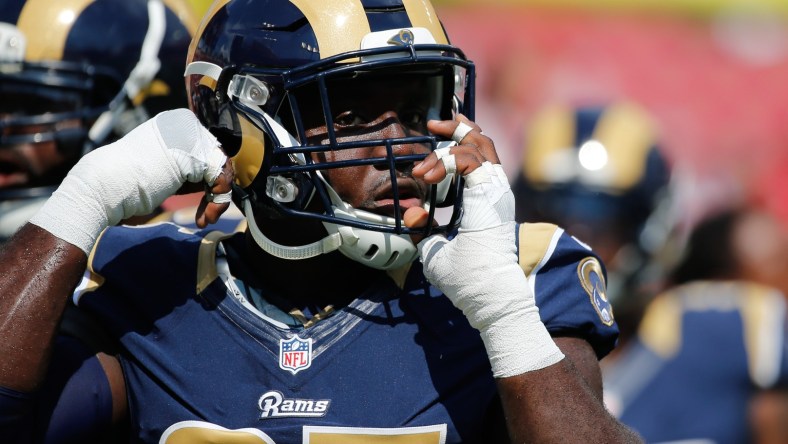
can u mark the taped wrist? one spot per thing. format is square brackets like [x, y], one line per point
[479, 273]
[493, 293]
[130, 177]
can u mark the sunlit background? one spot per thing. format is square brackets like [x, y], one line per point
[714, 74]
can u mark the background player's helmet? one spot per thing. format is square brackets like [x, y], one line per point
[200, 6]
[82, 73]
[599, 173]
[257, 67]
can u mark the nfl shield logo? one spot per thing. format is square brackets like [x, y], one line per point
[295, 354]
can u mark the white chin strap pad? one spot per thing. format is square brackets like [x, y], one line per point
[379, 250]
[131, 177]
[382, 251]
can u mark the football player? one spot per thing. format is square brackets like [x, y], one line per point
[351, 310]
[75, 75]
[712, 341]
[599, 172]
[690, 358]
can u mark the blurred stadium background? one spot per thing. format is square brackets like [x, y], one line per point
[714, 74]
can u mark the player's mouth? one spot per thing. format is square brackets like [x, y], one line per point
[410, 195]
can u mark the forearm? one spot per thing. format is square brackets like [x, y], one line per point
[555, 405]
[43, 262]
[39, 273]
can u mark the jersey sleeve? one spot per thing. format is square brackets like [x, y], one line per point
[568, 281]
[74, 403]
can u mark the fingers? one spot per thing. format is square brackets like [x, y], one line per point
[460, 131]
[473, 148]
[217, 197]
[416, 217]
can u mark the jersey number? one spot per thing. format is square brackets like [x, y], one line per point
[198, 432]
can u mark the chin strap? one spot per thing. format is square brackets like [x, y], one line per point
[326, 245]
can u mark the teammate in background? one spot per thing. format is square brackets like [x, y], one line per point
[710, 343]
[345, 124]
[769, 259]
[687, 362]
[599, 172]
[75, 75]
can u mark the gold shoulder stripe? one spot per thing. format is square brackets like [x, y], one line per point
[660, 329]
[763, 314]
[95, 280]
[535, 241]
[206, 259]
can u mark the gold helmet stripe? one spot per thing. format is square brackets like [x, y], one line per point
[628, 134]
[422, 15]
[50, 25]
[205, 80]
[249, 160]
[339, 25]
[216, 6]
[553, 129]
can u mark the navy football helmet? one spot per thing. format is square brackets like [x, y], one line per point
[262, 73]
[599, 172]
[79, 74]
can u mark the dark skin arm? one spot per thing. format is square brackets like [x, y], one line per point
[561, 403]
[39, 273]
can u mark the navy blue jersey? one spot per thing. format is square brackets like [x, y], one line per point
[202, 364]
[701, 351]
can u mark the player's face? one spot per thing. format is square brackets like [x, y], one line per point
[36, 146]
[364, 110]
[760, 242]
[29, 161]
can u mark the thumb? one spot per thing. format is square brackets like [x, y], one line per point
[416, 217]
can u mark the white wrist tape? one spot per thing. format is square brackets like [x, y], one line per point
[131, 176]
[478, 271]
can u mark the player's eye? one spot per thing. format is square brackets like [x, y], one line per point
[414, 119]
[347, 119]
